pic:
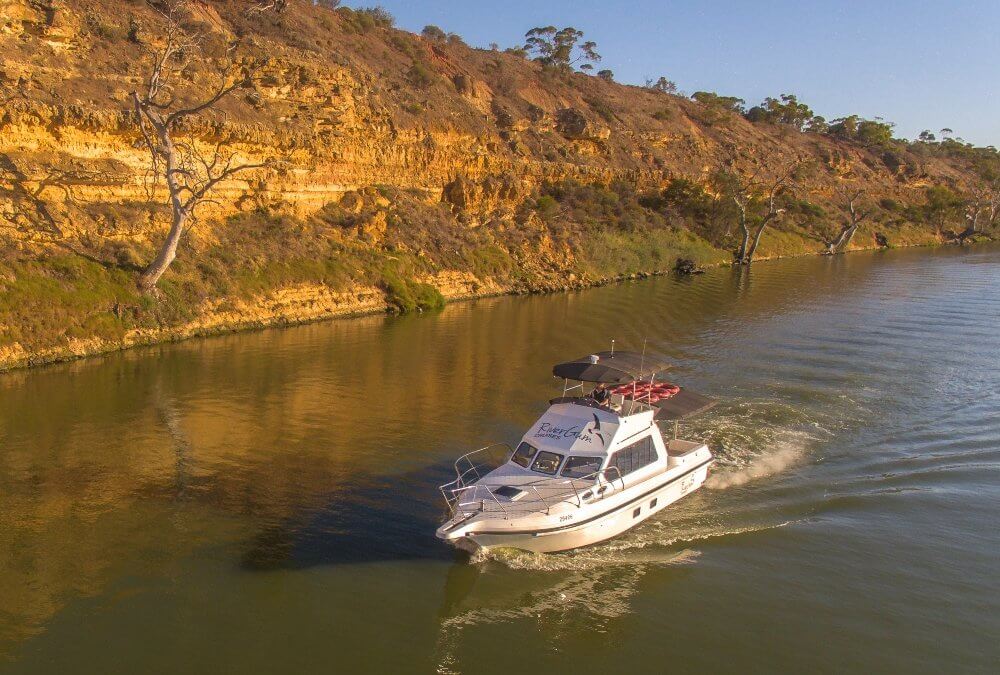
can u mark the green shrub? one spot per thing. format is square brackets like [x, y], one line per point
[712, 100]
[601, 108]
[687, 197]
[547, 206]
[379, 15]
[420, 75]
[434, 33]
[403, 44]
[406, 295]
[105, 31]
[356, 21]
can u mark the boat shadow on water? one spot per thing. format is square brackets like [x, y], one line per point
[376, 518]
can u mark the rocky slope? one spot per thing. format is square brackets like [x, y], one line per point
[397, 162]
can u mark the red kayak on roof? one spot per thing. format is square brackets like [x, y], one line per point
[652, 392]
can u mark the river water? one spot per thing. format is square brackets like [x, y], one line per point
[266, 502]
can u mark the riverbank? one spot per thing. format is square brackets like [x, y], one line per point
[312, 302]
[398, 171]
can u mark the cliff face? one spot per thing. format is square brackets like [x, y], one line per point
[390, 151]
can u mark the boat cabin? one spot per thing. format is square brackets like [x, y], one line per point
[592, 466]
[609, 430]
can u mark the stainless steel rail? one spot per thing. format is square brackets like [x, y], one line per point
[466, 496]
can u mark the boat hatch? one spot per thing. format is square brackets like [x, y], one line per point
[509, 491]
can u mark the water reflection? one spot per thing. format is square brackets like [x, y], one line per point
[309, 457]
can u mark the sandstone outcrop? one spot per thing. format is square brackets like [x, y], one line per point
[369, 160]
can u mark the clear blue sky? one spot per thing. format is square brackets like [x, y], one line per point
[922, 65]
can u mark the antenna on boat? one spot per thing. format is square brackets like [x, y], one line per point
[612, 347]
[642, 365]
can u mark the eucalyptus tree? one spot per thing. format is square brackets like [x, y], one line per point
[858, 210]
[758, 201]
[560, 48]
[186, 167]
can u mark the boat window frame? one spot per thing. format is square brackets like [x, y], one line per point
[554, 472]
[531, 457]
[598, 459]
[632, 447]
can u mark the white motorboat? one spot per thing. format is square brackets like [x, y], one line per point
[593, 466]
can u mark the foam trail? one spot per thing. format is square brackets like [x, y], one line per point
[761, 467]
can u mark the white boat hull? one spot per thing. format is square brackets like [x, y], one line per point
[595, 523]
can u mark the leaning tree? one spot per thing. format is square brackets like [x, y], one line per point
[188, 168]
[858, 210]
[982, 208]
[757, 198]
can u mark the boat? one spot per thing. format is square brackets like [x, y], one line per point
[594, 465]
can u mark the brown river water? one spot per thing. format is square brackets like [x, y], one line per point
[266, 502]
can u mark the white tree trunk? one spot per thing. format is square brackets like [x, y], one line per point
[756, 242]
[179, 214]
[741, 254]
[168, 251]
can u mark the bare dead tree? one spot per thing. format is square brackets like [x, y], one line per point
[992, 194]
[263, 6]
[751, 192]
[189, 173]
[856, 214]
[978, 202]
[982, 209]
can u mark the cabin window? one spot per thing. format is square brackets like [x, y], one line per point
[523, 455]
[547, 462]
[580, 467]
[632, 457]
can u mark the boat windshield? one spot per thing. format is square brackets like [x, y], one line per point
[524, 454]
[547, 462]
[580, 467]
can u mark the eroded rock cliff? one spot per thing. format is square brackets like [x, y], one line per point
[393, 160]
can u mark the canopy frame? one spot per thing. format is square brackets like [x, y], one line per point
[612, 367]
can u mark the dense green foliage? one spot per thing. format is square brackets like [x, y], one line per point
[434, 33]
[786, 110]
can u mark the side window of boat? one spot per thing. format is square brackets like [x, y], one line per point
[633, 457]
[580, 467]
[524, 454]
[547, 462]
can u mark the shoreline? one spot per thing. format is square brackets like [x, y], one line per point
[356, 303]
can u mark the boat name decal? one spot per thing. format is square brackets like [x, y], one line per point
[548, 430]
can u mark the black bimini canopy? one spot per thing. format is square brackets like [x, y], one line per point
[612, 367]
[684, 403]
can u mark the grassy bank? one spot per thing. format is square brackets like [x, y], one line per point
[260, 269]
